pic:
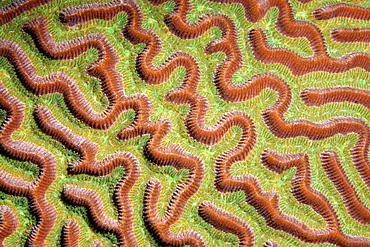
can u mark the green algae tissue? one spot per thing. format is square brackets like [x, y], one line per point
[184, 123]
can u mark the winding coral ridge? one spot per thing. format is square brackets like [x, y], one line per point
[351, 35]
[18, 7]
[305, 194]
[123, 227]
[112, 86]
[25, 151]
[103, 68]
[287, 25]
[171, 155]
[71, 234]
[273, 117]
[8, 223]
[281, 128]
[346, 35]
[226, 222]
[338, 177]
[321, 96]
[186, 93]
[342, 10]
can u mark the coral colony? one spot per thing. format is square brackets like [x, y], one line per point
[184, 123]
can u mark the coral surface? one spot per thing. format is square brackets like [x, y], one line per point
[184, 123]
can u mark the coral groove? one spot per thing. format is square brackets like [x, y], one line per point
[273, 116]
[186, 93]
[103, 68]
[299, 65]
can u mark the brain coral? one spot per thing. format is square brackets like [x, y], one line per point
[184, 123]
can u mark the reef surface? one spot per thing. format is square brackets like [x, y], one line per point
[184, 123]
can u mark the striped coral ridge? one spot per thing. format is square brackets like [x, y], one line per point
[71, 234]
[123, 227]
[35, 191]
[227, 222]
[18, 7]
[8, 223]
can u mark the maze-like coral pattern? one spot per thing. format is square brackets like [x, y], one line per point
[184, 123]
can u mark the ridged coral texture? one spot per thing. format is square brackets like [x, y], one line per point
[184, 123]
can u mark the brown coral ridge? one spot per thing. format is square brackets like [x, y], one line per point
[123, 227]
[18, 7]
[135, 33]
[346, 35]
[104, 68]
[151, 74]
[266, 203]
[321, 96]
[304, 193]
[351, 35]
[171, 155]
[290, 27]
[345, 125]
[186, 93]
[342, 10]
[179, 25]
[8, 223]
[227, 222]
[334, 170]
[274, 115]
[60, 82]
[299, 65]
[71, 235]
[36, 190]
